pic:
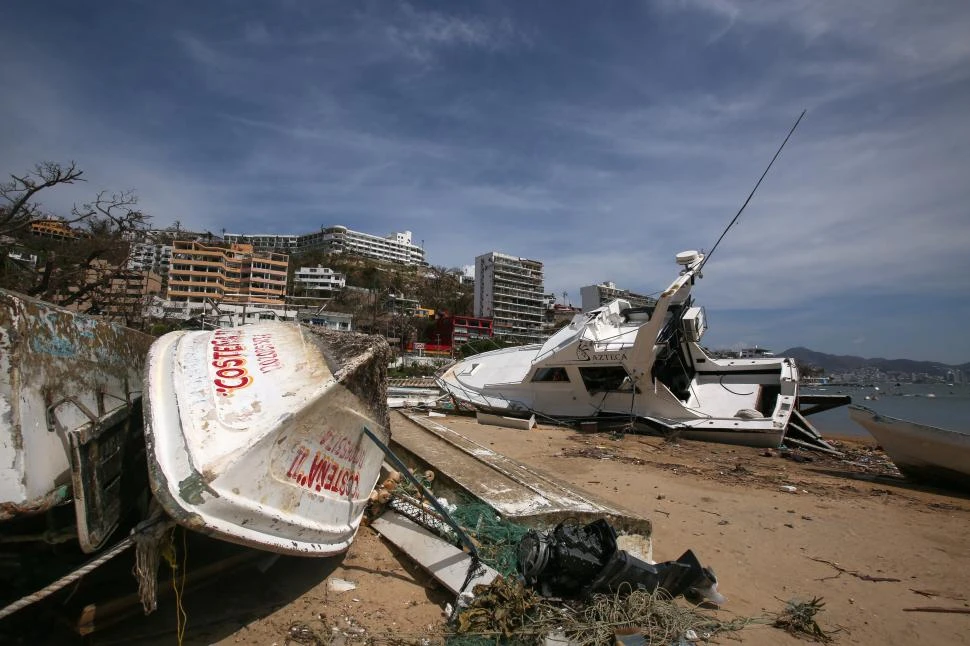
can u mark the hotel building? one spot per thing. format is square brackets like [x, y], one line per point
[509, 290]
[396, 247]
[232, 273]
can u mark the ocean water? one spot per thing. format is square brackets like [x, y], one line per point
[931, 404]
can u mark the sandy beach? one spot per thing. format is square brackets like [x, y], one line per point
[868, 543]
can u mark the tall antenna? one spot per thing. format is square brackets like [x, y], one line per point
[751, 194]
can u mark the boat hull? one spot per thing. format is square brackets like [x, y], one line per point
[255, 434]
[924, 453]
[70, 391]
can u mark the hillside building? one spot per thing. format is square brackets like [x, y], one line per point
[233, 273]
[509, 290]
[396, 247]
[318, 282]
[150, 256]
[594, 296]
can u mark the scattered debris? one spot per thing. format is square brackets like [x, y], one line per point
[509, 610]
[504, 607]
[798, 619]
[600, 453]
[841, 570]
[340, 585]
[789, 488]
[934, 593]
[302, 633]
[962, 610]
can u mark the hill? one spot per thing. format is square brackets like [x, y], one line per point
[846, 363]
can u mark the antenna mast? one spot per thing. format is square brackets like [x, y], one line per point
[751, 194]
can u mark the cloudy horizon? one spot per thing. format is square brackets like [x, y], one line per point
[601, 139]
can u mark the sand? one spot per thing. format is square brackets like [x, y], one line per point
[846, 525]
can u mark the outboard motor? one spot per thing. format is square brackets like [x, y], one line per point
[573, 561]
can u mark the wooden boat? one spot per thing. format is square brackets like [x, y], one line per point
[255, 433]
[70, 424]
[924, 453]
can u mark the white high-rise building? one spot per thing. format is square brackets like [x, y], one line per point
[509, 290]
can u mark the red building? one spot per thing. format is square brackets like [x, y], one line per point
[455, 330]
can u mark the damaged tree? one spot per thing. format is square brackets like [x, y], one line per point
[75, 261]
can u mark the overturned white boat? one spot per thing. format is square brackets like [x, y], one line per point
[256, 433]
[923, 453]
[645, 365]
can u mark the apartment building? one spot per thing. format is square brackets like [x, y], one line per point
[455, 330]
[261, 242]
[396, 247]
[509, 290]
[53, 229]
[318, 282]
[150, 256]
[594, 296]
[231, 273]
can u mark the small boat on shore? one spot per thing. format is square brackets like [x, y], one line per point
[924, 453]
[645, 365]
[255, 434]
[70, 425]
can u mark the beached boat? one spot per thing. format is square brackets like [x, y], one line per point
[255, 433]
[924, 453]
[72, 458]
[645, 365]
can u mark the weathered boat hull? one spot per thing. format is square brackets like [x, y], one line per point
[923, 453]
[255, 434]
[70, 421]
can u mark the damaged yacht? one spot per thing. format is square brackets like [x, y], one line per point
[645, 365]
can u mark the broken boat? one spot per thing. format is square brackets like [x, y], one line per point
[923, 453]
[256, 434]
[645, 365]
[71, 449]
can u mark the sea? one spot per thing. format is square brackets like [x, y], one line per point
[941, 405]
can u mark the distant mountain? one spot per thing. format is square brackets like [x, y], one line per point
[844, 363]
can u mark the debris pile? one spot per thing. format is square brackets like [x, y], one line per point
[798, 619]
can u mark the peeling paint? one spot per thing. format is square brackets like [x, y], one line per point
[191, 489]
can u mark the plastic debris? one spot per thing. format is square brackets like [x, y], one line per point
[340, 585]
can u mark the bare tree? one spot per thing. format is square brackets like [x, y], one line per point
[81, 267]
[19, 193]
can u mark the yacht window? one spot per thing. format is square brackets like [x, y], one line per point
[551, 374]
[606, 379]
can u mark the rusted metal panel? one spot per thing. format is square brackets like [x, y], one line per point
[255, 436]
[64, 377]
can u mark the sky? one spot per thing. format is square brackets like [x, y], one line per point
[601, 138]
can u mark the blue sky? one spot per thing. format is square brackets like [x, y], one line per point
[599, 137]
